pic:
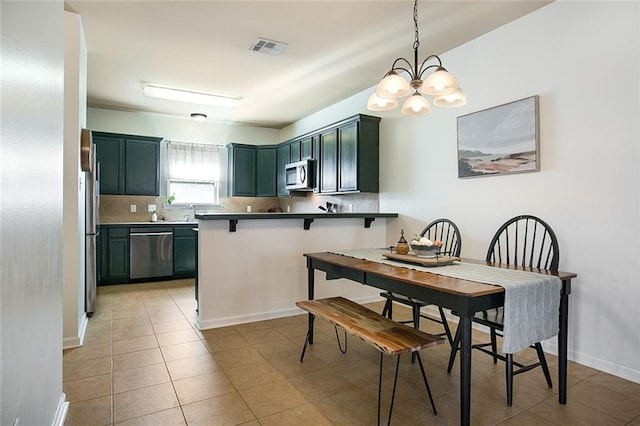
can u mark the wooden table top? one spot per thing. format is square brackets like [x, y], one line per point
[425, 279]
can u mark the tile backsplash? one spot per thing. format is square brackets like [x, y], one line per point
[117, 208]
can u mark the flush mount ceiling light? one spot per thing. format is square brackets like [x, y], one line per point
[198, 116]
[439, 83]
[191, 97]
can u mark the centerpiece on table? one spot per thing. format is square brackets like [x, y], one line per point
[424, 247]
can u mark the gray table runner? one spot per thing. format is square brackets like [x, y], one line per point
[531, 300]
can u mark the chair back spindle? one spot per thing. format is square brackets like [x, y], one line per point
[447, 232]
[525, 241]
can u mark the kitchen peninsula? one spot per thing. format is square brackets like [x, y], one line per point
[251, 265]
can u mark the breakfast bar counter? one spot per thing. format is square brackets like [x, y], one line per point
[259, 272]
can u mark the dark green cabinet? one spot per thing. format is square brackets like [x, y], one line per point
[306, 148]
[113, 255]
[266, 171]
[141, 166]
[294, 151]
[184, 251]
[242, 170]
[283, 156]
[349, 156]
[328, 161]
[129, 165]
[110, 156]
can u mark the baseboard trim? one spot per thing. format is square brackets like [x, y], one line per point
[77, 341]
[262, 316]
[61, 412]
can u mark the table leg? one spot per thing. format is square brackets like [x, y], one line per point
[562, 347]
[311, 291]
[465, 370]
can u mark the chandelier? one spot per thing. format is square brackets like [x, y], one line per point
[439, 83]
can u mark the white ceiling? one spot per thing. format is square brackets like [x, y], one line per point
[335, 49]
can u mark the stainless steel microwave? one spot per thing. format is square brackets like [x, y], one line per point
[299, 175]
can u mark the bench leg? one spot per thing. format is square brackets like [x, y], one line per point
[308, 336]
[393, 393]
[344, 351]
[426, 383]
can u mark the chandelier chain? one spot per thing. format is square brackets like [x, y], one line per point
[416, 42]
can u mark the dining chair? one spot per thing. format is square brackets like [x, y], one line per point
[447, 232]
[527, 241]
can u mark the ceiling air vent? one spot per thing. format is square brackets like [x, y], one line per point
[270, 47]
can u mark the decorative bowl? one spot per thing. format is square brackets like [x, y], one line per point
[428, 252]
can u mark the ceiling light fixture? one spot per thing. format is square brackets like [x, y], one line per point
[440, 84]
[191, 97]
[198, 116]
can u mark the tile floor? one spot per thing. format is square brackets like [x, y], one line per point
[144, 363]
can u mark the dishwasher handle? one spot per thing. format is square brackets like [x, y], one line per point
[150, 234]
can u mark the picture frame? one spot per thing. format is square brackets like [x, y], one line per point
[500, 140]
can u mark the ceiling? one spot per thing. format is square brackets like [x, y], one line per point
[335, 49]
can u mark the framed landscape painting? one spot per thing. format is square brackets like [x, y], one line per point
[499, 140]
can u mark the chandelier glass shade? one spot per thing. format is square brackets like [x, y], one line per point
[439, 83]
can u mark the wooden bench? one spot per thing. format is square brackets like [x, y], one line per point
[388, 336]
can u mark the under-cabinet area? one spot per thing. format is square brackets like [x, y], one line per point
[140, 252]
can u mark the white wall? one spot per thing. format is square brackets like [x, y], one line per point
[75, 118]
[178, 129]
[582, 59]
[31, 222]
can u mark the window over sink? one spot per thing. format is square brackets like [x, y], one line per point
[193, 173]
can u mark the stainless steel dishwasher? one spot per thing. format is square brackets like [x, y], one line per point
[151, 252]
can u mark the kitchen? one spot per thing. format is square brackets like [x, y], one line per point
[546, 56]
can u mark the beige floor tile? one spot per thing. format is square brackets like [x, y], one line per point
[225, 342]
[272, 398]
[134, 344]
[134, 331]
[263, 336]
[88, 351]
[86, 368]
[166, 327]
[613, 403]
[88, 388]
[204, 386]
[278, 348]
[225, 410]
[527, 418]
[130, 322]
[97, 324]
[573, 413]
[183, 350]
[143, 401]
[175, 337]
[635, 422]
[166, 316]
[238, 357]
[135, 378]
[255, 374]
[194, 366]
[97, 337]
[96, 412]
[349, 408]
[218, 332]
[171, 417]
[135, 310]
[322, 384]
[137, 359]
[306, 415]
[251, 326]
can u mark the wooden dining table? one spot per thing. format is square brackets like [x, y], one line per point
[462, 296]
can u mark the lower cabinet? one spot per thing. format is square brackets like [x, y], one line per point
[184, 251]
[114, 250]
[113, 255]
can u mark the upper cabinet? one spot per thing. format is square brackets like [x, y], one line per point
[349, 156]
[242, 170]
[129, 165]
[346, 154]
[266, 171]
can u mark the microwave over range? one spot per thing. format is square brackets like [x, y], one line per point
[299, 175]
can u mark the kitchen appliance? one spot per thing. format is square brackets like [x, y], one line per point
[299, 175]
[92, 207]
[151, 252]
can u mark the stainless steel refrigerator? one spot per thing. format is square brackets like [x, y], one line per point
[91, 231]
